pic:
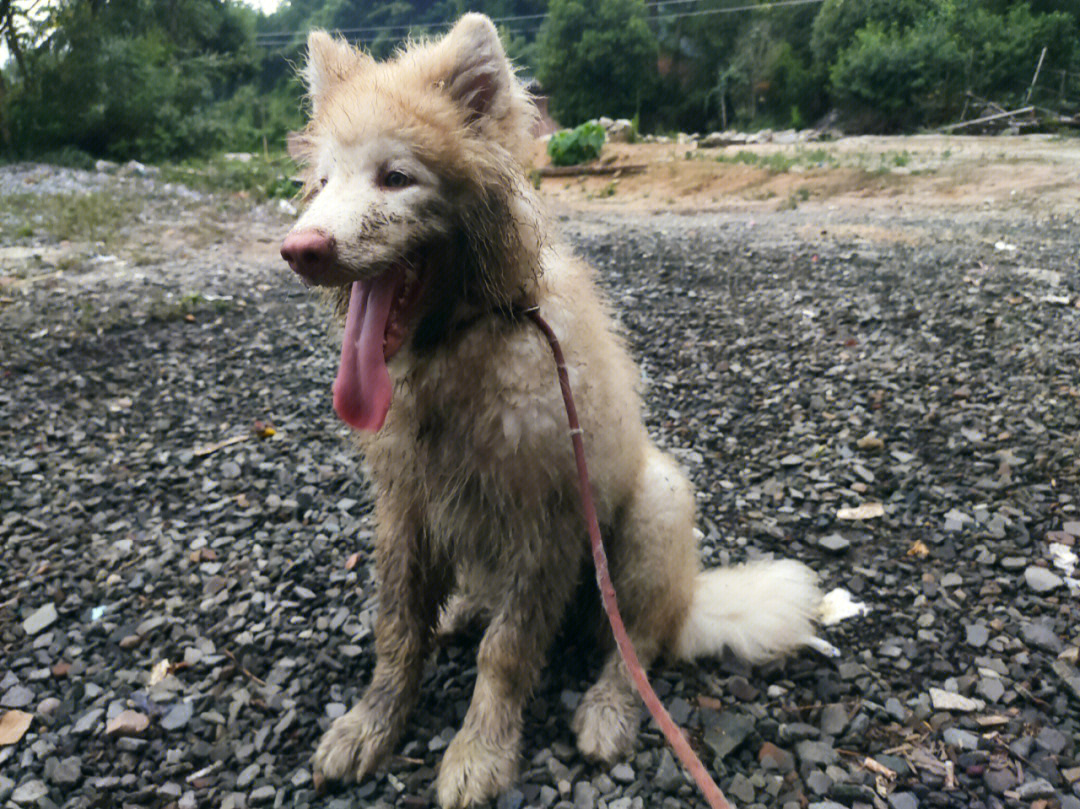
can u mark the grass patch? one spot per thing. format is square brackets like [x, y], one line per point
[261, 177]
[189, 307]
[97, 216]
[781, 162]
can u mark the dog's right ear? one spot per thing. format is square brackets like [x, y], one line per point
[329, 61]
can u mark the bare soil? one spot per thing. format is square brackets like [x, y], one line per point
[861, 173]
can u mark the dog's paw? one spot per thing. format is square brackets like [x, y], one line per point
[353, 746]
[606, 724]
[474, 771]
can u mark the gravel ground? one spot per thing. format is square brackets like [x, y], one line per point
[185, 597]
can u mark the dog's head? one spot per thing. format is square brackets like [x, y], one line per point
[416, 201]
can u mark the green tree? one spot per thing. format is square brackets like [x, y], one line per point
[596, 59]
[129, 78]
[893, 79]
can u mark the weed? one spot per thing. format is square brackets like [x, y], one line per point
[165, 309]
[94, 217]
[781, 162]
[260, 176]
[578, 145]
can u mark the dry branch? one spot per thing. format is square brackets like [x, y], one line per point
[988, 118]
[575, 171]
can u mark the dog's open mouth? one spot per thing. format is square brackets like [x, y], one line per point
[375, 329]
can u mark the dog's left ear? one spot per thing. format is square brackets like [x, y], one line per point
[480, 77]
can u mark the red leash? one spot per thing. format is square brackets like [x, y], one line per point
[674, 735]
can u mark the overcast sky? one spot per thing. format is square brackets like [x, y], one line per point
[265, 6]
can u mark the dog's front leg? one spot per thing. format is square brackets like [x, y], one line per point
[482, 759]
[410, 593]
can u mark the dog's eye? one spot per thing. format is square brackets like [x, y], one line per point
[396, 179]
[323, 182]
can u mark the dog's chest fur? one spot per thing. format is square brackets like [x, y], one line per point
[476, 445]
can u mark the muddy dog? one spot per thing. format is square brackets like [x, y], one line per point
[422, 225]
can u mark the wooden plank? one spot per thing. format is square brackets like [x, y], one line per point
[987, 118]
[575, 171]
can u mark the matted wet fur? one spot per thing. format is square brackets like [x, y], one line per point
[415, 170]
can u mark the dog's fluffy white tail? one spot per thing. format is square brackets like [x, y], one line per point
[759, 610]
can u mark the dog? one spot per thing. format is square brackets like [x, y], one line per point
[421, 223]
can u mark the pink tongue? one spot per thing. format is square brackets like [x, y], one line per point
[362, 390]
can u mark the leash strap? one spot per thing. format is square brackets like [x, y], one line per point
[676, 738]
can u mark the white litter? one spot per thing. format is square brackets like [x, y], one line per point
[838, 605]
[1065, 560]
[867, 511]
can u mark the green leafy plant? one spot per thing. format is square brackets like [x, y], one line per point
[258, 175]
[579, 145]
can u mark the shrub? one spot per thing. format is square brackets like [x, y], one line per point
[596, 59]
[580, 145]
[894, 79]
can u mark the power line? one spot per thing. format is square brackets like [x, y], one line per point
[283, 37]
[449, 23]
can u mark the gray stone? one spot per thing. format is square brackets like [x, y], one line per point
[943, 700]
[834, 543]
[177, 717]
[1040, 635]
[1033, 790]
[623, 773]
[896, 709]
[990, 688]
[963, 739]
[584, 795]
[170, 789]
[18, 696]
[834, 719]
[29, 793]
[728, 733]
[810, 752]
[7, 786]
[40, 619]
[668, 777]
[88, 721]
[741, 789]
[903, 800]
[263, 794]
[1041, 579]
[977, 635]
[999, 781]
[818, 782]
[247, 776]
[1052, 740]
[66, 771]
